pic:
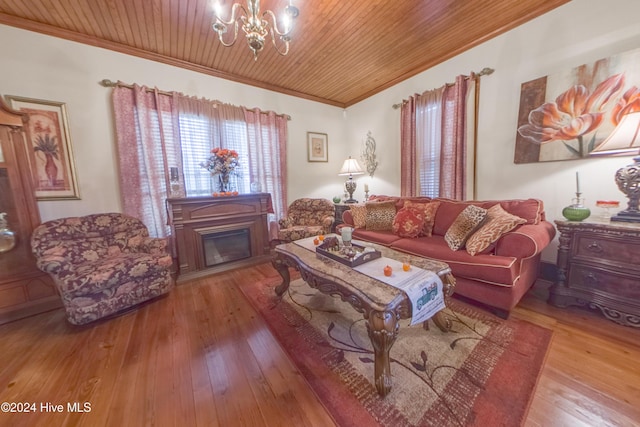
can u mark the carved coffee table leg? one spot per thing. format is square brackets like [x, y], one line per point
[283, 270]
[442, 321]
[382, 328]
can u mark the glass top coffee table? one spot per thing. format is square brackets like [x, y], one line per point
[381, 304]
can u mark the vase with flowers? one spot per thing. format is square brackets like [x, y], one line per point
[222, 163]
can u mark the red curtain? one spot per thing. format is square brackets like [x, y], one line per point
[448, 142]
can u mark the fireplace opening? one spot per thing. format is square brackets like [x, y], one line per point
[226, 246]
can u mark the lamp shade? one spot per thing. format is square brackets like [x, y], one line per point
[351, 167]
[624, 139]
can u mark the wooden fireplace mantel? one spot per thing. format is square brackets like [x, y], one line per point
[193, 218]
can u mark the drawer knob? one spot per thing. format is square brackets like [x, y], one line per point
[591, 278]
[595, 247]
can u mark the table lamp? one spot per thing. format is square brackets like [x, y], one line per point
[350, 167]
[625, 139]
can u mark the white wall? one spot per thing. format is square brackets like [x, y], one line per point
[42, 67]
[579, 32]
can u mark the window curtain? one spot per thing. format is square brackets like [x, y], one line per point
[148, 144]
[428, 137]
[157, 132]
[267, 159]
[408, 157]
[433, 142]
[453, 158]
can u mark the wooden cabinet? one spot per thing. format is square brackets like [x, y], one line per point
[214, 234]
[24, 290]
[599, 267]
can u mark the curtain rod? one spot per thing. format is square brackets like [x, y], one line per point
[110, 83]
[484, 72]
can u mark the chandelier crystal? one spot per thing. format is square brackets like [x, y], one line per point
[256, 25]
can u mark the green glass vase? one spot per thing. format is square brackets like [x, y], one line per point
[576, 211]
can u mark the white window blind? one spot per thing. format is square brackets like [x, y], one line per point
[198, 136]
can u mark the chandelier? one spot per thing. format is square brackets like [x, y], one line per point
[256, 25]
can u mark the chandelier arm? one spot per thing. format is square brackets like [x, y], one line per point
[284, 41]
[274, 24]
[235, 36]
[233, 17]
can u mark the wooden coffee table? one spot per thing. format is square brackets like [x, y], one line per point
[381, 304]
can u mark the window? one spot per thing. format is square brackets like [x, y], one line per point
[196, 136]
[428, 141]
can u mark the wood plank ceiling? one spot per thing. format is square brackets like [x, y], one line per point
[342, 51]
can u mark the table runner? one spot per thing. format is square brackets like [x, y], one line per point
[424, 288]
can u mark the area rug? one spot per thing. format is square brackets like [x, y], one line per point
[481, 373]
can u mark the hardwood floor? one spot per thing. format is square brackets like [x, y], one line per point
[202, 357]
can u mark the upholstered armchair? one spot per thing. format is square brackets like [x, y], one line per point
[102, 264]
[305, 218]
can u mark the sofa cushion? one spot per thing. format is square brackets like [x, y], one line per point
[95, 276]
[429, 210]
[464, 225]
[490, 269]
[359, 215]
[531, 210]
[498, 223]
[408, 222]
[380, 215]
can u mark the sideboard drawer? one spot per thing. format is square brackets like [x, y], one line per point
[616, 284]
[607, 248]
[599, 268]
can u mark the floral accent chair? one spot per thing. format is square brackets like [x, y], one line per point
[306, 218]
[102, 263]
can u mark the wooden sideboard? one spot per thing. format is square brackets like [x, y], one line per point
[599, 267]
[340, 208]
[214, 234]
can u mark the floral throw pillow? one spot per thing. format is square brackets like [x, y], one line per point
[359, 214]
[428, 211]
[408, 222]
[464, 225]
[380, 215]
[498, 223]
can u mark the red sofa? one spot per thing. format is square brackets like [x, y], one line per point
[499, 278]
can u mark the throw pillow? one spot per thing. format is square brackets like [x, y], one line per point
[359, 214]
[428, 210]
[464, 225]
[498, 223]
[380, 215]
[408, 222]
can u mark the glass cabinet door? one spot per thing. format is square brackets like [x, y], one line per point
[13, 260]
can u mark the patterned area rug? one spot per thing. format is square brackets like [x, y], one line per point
[482, 373]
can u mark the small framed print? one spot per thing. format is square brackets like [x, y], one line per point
[50, 154]
[317, 147]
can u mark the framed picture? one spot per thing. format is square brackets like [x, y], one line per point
[317, 147]
[50, 154]
[570, 114]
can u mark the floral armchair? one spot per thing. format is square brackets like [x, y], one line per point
[102, 263]
[305, 218]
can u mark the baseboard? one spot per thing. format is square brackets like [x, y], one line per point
[548, 271]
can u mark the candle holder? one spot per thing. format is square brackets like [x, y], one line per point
[576, 211]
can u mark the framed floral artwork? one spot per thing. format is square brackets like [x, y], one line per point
[317, 147]
[569, 115]
[50, 153]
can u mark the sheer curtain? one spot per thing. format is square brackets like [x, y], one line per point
[158, 131]
[148, 144]
[433, 142]
[267, 158]
[205, 125]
